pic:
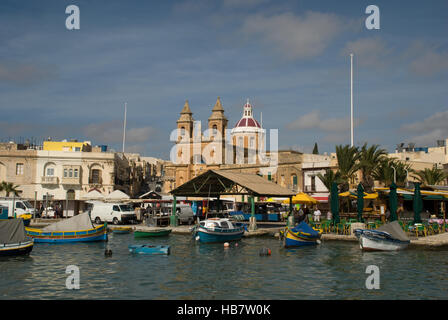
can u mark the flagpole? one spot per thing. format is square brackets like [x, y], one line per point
[351, 98]
[124, 125]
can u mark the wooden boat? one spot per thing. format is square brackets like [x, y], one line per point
[75, 229]
[149, 249]
[218, 230]
[122, 230]
[301, 235]
[389, 237]
[146, 232]
[13, 239]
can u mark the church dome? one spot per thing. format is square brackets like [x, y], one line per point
[247, 123]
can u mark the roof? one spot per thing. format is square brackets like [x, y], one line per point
[247, 122]
[116, 195]
[214, 183]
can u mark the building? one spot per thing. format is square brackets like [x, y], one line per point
[65, 172]
[240, 149]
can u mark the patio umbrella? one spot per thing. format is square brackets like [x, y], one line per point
[418, 203]
[302, 198]
[393, 201]
[360, 202]
[334, 202]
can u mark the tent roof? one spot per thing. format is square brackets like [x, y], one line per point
[92, 195]
[214, 183]
[117, 194]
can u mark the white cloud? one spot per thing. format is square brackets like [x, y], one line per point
[426, 59]
[371, 52]
[429, 130]
[295, 37]
[313, 120]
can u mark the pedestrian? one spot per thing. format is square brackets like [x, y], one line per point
[317, 215]
[329, 215]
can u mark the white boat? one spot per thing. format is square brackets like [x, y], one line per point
[389, 237]
[218, 230]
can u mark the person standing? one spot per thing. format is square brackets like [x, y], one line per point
[317, 214]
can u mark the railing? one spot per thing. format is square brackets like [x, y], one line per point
[49, 180]
[72, 180]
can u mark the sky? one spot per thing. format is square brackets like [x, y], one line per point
[289, 58]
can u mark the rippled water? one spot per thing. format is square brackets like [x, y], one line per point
[333, 270]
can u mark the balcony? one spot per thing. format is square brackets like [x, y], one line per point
[49, 180]
[71, 181]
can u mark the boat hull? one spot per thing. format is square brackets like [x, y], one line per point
[210, 236]
[149, 249]
[294, 240]
[16, 249]
[371, 244]
[373, 240]
[96, 234]
[122, 230]
[148, 234]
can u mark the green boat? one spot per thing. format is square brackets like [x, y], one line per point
[151, 232]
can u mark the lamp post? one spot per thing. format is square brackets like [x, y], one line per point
[351, 98]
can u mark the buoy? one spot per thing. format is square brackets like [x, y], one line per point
[226, 244]
[108, 253]
[197, 238]
[265, 252]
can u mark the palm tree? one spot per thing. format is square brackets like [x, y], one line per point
[432, 176]
[9, 187]
[384, 172]
[369, 159]
[347, 161]
[329, 177]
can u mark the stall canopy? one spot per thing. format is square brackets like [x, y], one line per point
[117, 195]
[214, 183]
[302, 198]
[93, 195]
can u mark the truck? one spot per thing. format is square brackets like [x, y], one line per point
[116, 213]
[18, 208]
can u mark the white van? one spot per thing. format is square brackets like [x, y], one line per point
[112, 212]
[184, 213]
[21, 206]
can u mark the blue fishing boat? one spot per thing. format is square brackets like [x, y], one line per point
[149, 249]
[75, 229]
[301, 235]
[13, 239]
[218, 230]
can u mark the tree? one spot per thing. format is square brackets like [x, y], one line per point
[329, 177]
[347, 161]
[384, 172]
[369, 159]
[9, 187]
[432, 176]
[315, 149]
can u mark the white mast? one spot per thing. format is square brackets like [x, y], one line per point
[351, 98]
[124, 125]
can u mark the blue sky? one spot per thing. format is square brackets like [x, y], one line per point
[290, 58]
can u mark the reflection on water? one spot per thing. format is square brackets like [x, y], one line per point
[333, 270]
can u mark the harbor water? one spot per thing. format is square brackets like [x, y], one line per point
[332, 270]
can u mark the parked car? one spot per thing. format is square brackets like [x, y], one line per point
[21, 207]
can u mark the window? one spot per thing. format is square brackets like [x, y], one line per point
[50, 172]
[116, 208]
[65, 173]
[19, 205]
[75, 173]
[19, 169]
[96, 176]
[252, 142]
[313, 183]
[70, 173]
[182, 131]
[240, 141]
[77, 149]
[215, 130]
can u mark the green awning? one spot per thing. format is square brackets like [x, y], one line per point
[435, 197]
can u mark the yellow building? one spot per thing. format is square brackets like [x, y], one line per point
[65, 145]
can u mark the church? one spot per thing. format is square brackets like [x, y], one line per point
[240, 148]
